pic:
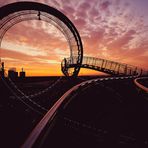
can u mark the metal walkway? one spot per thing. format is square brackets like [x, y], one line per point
[102, 65]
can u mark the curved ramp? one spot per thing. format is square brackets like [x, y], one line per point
[17, 12]
[103, 65]
[141, 86]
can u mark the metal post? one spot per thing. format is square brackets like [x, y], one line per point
[115, 66]
[105, 63]
[135, 72]
[118, 69]
[125, 70]
[102, 63]
[111, 65]
[95, 61]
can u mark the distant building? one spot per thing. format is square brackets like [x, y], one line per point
[22, 74]
[12, 73]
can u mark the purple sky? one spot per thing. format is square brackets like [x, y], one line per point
[110, 29]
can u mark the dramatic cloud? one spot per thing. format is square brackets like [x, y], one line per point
[104, 5]
[111, 29]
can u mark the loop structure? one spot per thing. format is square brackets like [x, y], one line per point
[14, 13]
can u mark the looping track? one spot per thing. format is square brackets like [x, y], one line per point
[62, 103]
[22, 11]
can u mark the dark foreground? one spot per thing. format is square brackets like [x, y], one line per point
[17, 119]
[107, 113]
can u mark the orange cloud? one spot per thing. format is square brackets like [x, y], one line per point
[112, 30]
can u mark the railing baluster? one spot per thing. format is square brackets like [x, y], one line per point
[107, 66]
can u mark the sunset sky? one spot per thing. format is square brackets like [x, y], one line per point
[111, 29]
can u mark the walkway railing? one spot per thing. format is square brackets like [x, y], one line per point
[107, 66]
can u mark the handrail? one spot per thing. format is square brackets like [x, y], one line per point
[144, 88]
[103, 65]
[29, 143]
[49, 115]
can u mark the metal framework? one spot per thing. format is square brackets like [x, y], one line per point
[106, 66]
[14, 13]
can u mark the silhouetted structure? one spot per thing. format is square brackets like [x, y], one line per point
[23, 11]
[12, 73]
[22, 74]
[106, 66]
[2, 70]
